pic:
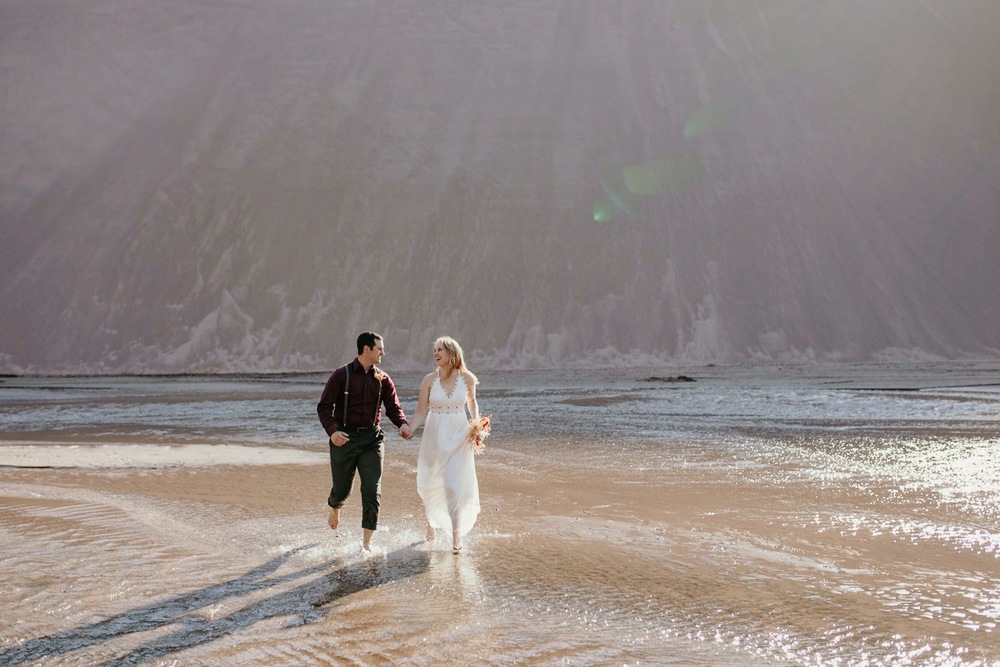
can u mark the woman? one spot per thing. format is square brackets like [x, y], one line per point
[446, 467]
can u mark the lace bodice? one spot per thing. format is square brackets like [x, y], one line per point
[443, 403]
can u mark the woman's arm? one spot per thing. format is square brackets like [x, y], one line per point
[471, 381]
[423, 398]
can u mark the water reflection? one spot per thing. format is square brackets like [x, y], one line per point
[457, 574]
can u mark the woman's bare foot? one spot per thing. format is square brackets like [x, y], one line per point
[334, 519]
[431, 533]
[456, 543]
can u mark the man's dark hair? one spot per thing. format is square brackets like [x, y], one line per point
[367, 338]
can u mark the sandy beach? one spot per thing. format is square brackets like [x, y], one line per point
[193, 563]
[864, 533]
[233, 564]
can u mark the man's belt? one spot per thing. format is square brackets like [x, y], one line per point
[357, 429]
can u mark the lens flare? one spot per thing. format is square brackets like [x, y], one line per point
[667, 175]
[706, 119]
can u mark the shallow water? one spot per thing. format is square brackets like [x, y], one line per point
[755, 515]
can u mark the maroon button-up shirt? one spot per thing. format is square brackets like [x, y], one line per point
[366, 396]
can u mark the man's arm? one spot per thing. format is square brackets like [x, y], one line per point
[328, 402]
[393, 410]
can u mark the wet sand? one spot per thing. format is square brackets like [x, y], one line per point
[702, 562]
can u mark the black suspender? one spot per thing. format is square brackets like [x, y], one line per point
[347, 385]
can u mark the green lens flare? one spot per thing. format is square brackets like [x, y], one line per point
[614, 187]
[706, 119]
[670, 174]
[604, 211]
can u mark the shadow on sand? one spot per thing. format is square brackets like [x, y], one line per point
[305, 603]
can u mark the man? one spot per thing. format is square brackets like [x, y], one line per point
[350, 410]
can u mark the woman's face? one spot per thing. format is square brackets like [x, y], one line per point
[441, 356]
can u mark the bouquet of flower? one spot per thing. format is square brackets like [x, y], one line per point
[475, 438]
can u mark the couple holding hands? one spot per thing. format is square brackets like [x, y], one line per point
[350, 410]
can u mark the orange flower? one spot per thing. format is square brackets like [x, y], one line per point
[479, 429]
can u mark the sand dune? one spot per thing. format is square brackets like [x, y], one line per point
[219, 186]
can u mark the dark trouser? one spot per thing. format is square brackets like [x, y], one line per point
[362, 453]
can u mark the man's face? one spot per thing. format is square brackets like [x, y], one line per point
[373, 355]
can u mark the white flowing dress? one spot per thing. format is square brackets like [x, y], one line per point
[446, 467]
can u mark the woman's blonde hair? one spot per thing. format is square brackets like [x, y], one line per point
[452, 347]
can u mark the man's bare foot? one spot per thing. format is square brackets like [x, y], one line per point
[334, 520]
[431, 534]
[366, 541]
